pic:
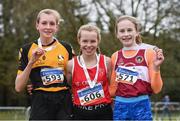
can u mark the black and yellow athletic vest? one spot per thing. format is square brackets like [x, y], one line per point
[48, 71]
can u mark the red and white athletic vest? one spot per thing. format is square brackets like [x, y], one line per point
[141, 83]
[81, 90]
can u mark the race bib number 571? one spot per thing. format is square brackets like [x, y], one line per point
[126, 75]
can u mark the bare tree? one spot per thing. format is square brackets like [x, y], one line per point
[153, 14]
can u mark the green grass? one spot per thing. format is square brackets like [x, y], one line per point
[174, 116]
[20, 115]
[12, 115]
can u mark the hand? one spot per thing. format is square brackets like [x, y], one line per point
[158, 59]
[37, 53]
[30, 88]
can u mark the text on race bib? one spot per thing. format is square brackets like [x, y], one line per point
[126, 75]
[52, 75]
[91, 95]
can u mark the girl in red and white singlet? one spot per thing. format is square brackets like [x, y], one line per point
[90, 74]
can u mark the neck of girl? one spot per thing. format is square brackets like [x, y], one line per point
[133, 47]
[46, 41]
[90, 60]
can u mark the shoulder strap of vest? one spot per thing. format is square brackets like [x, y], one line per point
[68, 48]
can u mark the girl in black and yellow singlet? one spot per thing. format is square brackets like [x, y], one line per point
[44, 61]
[90, 74]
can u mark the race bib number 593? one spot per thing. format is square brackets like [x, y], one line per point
[51, 75]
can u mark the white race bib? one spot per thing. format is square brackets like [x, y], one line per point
[126, 75]
[91, 95]
[52, 75]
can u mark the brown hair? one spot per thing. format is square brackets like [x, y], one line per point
[135, 21]
[50, 11]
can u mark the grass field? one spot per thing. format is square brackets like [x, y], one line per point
[19, 115]
[174, 116]
[22, 115]
[12, 115]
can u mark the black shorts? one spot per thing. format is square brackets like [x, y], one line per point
[95, 112]
[51, 105]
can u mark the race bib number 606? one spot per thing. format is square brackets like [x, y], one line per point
[91, 95]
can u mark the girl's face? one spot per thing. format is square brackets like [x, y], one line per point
[126, 33]
[88, 42]
[47, 26]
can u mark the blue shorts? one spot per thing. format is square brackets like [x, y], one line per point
[134, 108]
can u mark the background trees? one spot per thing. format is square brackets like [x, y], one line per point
[160, 20]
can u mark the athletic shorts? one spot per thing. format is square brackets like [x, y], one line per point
[51, 105]
[135, 108]
[95, 112]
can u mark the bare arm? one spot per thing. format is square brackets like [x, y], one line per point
[22, 78]
[69, 68]
[108, 64]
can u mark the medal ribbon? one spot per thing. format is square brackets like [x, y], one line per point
[93, 82]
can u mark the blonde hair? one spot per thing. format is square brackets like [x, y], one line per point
[135, 21]
[50, 11]
[90, 28]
